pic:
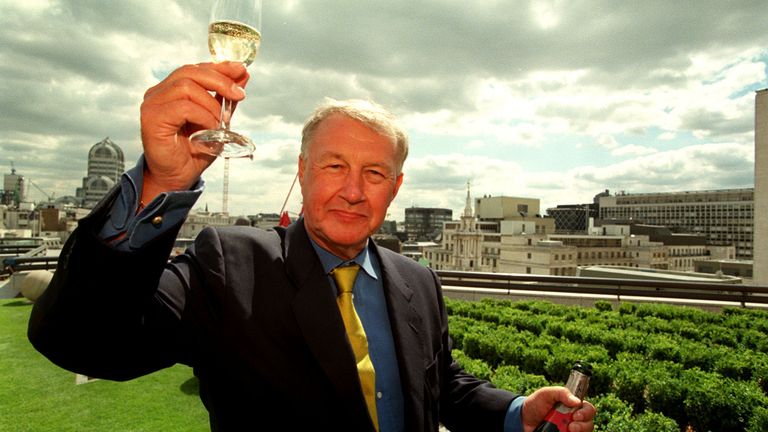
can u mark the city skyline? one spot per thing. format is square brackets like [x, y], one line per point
[551, 100]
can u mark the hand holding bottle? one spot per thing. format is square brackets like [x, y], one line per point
[561, 409]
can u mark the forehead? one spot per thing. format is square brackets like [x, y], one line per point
[339, 132]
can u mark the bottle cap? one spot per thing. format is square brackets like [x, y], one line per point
[583, 367]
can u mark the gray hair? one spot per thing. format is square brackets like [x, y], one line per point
[369, 113]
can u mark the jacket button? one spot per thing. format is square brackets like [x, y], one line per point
[157, 220]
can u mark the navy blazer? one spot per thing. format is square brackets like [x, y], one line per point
[252, 312]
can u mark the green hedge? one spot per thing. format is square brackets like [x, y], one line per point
[656, 367]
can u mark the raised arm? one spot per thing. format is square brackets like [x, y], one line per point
[111, 310]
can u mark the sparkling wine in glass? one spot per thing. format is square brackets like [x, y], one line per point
[234, 34]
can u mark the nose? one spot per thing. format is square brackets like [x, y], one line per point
[352, 189]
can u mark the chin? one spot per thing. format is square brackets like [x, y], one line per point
[350, 239]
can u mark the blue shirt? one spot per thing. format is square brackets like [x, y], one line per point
[128, 230]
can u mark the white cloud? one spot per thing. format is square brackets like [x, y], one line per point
[635, 150]
[487, 87]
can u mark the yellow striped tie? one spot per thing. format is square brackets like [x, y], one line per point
[345, 280]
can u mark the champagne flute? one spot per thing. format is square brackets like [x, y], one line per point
[234, 34]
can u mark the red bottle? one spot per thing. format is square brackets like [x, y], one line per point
[561, 416]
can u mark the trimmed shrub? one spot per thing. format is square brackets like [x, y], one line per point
[476, 367]
[759, 420]
[603, 306]
[710, 397]
[513, 379]
[608, 406]
[653, 365]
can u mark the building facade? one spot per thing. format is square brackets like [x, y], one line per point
[723, 217]
[475, 243]
[491, 208]
[13, 189]
[106, 163]
[576, 218]
[196, 221]
[424, 223]
[760, 250]
[562, 254]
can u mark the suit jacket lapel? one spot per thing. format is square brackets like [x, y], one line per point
[406, 330]
[317, 315]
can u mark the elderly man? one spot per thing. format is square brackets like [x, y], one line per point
[267, 318]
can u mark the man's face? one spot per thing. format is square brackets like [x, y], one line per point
[347, 181]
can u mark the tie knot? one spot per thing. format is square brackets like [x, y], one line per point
[345, 277]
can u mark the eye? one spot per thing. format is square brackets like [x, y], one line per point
[375, 175]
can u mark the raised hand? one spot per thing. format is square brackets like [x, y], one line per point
[178, 106]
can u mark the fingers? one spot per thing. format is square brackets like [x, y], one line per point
[583, 418]
[172, 116]
[196, 82]
[540, 402]
[185, 96]
[227, 79]
[586, 413]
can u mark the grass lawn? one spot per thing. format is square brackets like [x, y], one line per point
[36, 395]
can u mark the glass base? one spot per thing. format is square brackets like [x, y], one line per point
[223, 143]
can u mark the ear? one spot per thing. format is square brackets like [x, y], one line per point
[302, 166]
[398, 182]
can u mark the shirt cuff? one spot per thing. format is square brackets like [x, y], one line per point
[513, 422]
[126, 229]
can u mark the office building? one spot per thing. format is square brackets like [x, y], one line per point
[760, 255]
[425, 224]
[562, 254]
[723, 217]
[498, 208]
[13, 188]
[575, 218]
[106, 163]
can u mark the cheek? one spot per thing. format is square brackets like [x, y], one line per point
[380, 202]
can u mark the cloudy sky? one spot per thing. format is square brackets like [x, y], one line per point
[556, 100]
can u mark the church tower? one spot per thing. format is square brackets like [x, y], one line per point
[468, 240]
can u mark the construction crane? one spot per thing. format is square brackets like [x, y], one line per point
[49, 196]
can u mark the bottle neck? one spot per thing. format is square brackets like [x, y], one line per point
[578, 383]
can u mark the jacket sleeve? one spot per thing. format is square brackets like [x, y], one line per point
[468, 403]
[103, 314]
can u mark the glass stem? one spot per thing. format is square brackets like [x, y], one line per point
[226, 113]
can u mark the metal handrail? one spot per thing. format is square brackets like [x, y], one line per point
[24, 263]
[607, 286]
[505, 282]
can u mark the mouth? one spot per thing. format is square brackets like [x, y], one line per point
[347, 215]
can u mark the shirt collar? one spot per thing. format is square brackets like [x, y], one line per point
[330, 261]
